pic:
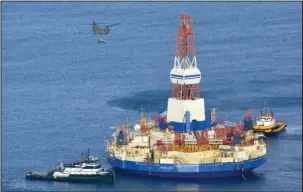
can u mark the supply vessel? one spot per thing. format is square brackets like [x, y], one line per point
[185, 140]
[267, 123]
[85, 170]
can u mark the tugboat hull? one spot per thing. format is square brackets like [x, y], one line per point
[108, 178]
[105, 178]
[279, 127]
[39, 176]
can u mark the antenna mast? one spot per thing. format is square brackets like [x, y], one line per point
[149, 110]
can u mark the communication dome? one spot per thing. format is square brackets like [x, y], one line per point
[137, 127]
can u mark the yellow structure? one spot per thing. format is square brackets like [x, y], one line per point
[267, 123]
[143, 121]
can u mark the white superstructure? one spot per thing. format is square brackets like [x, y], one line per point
[176, 110]
[89, 166]
[266, 120]
[185, 72]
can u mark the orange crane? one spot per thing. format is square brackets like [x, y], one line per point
[143, 122]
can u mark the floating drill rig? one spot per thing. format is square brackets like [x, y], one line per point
[183, 141]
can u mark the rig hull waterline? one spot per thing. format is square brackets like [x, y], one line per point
[202, 171]
[185, 140]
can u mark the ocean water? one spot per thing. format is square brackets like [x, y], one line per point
[62, 91]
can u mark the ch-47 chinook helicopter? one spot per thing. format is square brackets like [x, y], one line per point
[102, 30]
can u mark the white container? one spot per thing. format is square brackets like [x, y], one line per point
[225, 147]
[241, 155]
[145, 139]
[236, 148]
[167, 161]
[211, 134]
[220, 126]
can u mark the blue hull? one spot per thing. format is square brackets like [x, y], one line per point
[205, 171]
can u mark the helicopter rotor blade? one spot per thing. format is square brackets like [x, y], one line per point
[100, 23]
[111, 25]
[94, 23]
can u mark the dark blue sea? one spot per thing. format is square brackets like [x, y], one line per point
[62, 91]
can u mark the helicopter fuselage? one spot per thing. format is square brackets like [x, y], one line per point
[101, 31]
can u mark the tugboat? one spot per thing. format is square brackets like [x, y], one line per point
[266, 123]
[85, 170]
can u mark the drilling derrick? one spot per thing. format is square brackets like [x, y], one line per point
[185, 106]
[185, 75]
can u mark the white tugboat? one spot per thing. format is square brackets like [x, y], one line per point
[86, 170]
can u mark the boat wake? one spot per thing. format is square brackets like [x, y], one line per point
[291, 136]
[119, 109]
[17, 185]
